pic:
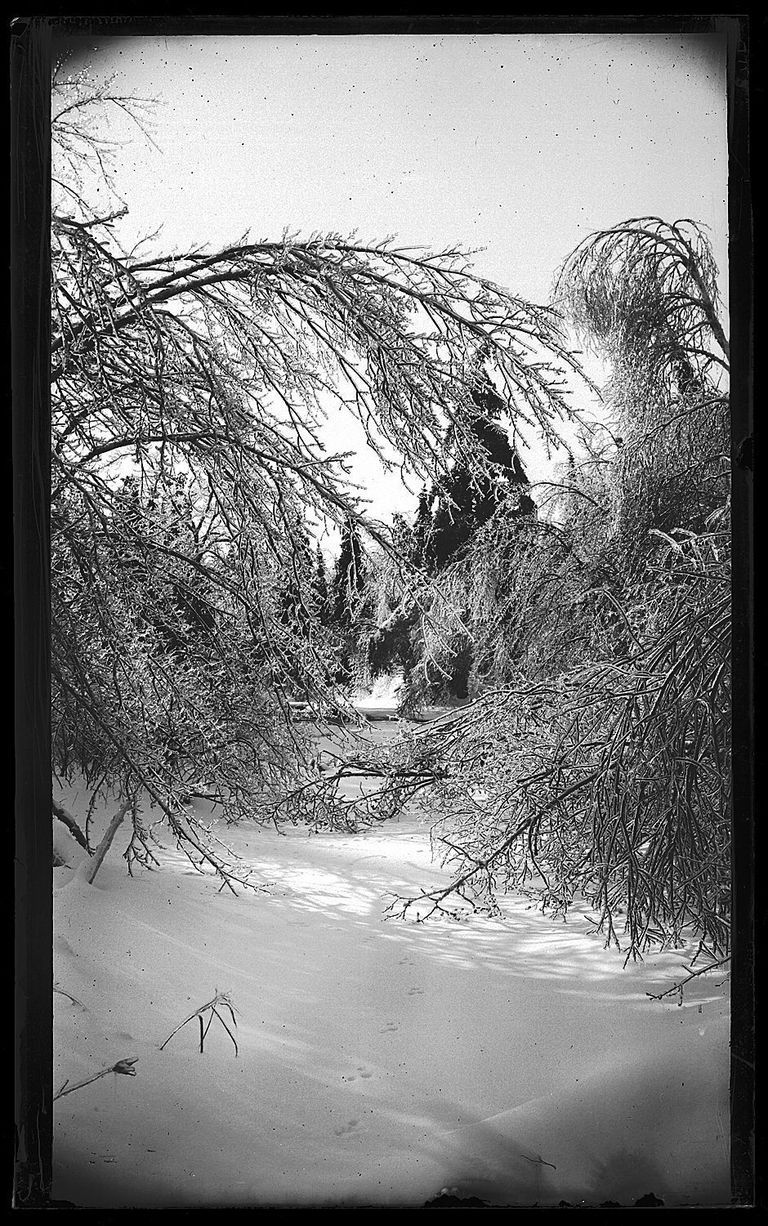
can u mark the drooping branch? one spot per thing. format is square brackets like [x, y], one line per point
[647, 291]
[72, 826]
[677, 988]
[90, 868]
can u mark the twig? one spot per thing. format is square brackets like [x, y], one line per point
[69, 996]
[678, 987]
[219, 999]
[91, 867]
[72, 826]
[122, 1066]
[539, 1161]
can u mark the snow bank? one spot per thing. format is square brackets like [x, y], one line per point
[378, 1061]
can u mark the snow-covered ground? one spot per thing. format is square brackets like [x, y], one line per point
[378, 1061]
[379, 700]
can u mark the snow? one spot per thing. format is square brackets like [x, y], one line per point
[379, 699]
[382, 691]
[379, 1061]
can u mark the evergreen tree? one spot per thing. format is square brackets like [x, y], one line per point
[422, 529]
[293, 610]
[472, 497]
[348, 579]
[346, 599]
[320, 586]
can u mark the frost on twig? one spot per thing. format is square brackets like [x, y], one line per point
[211, 1007]
[124, 1066]
[677, 988]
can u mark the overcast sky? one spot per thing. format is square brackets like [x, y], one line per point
[517, 144]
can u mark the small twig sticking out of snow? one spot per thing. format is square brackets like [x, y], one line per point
[220, 999]
[122, 1066]
[539, 1161]
[677, 988]
[69, 996]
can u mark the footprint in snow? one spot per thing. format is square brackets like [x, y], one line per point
[345, 1129]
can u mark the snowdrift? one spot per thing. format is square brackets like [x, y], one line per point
[378, 1062]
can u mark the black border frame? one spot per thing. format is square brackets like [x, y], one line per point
[30, 54]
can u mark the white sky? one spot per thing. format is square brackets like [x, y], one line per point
[517, 144]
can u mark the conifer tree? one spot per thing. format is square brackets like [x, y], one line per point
[422, 529]
[470, 497]
[348, 578]
[346, 599]
[320, 585]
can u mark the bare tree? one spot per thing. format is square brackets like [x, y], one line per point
[191, 396]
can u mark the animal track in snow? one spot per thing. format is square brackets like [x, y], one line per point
[360, 1071]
